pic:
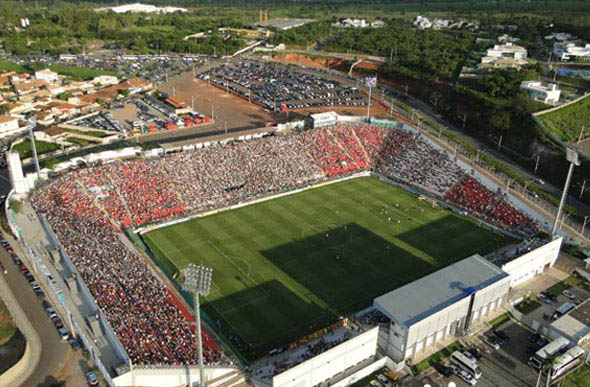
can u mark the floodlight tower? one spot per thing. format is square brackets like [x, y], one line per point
[574, 160]
[198, 282]
[370, 82]
[31, 124]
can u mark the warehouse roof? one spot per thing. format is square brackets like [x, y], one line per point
[426, 296]
[572, 328]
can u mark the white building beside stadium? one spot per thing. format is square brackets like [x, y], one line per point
[320, 120]
[446, 302]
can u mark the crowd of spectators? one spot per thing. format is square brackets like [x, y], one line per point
[148, 322]
[419, 164]
[473, 196]
[85, 207]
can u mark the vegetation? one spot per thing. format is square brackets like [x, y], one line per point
[7, 327]
[559, 287]
[79, 141]
[501, 319]
[578, 378]
[92, 133]
[24, 148]
[74, 28]
[437, 357]
[528, 305]
[567, 122]
[15, 205]
[305, 273]
[75, 73]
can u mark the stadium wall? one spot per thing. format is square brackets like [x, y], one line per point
[170, 376]
[331, 363]
[533, 263]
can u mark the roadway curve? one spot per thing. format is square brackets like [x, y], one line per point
[53, 350]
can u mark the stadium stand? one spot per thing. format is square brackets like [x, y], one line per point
[85, 207]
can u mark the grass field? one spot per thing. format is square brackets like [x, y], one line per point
[24, 148]
[286, 267]
[567, 122]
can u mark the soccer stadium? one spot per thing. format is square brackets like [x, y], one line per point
[306, 230]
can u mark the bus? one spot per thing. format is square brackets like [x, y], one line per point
[463, 362]
[563, 363]
[553, 348]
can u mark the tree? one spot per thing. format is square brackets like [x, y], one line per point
[500, 120]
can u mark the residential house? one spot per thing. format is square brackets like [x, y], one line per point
[8, 126]
[547, 93]
[566, 51]
[46, 75]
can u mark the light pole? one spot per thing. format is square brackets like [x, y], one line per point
[584, 224]
[197, 280]
[31, 124]
[370, 82]
[583, 188]
[571, 156]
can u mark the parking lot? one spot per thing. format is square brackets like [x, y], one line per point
[281, 88]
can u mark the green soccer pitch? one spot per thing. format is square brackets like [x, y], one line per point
[289, 266]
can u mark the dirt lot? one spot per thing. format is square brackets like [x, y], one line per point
[318, 63]
[228, 108]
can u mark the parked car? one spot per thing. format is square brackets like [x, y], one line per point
[544, 298]
[534, 337]
[75, 344]
[502, 336]
[63, 333]
[51, 312]
[39, 293]
[92, 379]
[57, 322]
[569, 294]
[467, 377]
[492, 342]
[475, 352]
[549, 295]
[442, 369]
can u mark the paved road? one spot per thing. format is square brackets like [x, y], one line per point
[54, 350]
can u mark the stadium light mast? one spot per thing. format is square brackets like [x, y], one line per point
[198, 282]
[370, 82]
[31, 124]
[574, 160]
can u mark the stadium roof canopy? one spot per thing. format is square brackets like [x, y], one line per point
[424, 297]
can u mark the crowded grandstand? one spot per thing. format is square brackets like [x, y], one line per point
[87, 207]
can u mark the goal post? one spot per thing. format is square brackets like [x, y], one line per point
[429, 200]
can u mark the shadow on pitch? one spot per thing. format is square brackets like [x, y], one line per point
[347, 267]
